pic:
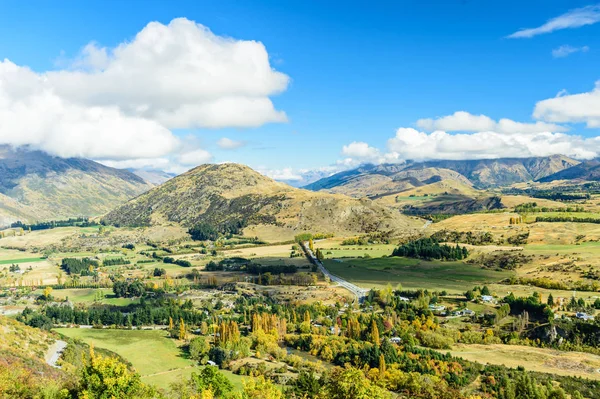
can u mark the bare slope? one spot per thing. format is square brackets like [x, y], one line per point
[233, 193]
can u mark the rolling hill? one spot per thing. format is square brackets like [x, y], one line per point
[36, 186]
[227, 194]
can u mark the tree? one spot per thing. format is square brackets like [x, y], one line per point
[381, 365]
[375, 334]
[307, 385]
[212, 380]
[182, 330]
[199, 348]
[108, 378]
[48, 293]
[351, 383]
[550, 300]
[261, 388]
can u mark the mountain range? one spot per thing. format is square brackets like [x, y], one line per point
[35, 186]
[387, 179]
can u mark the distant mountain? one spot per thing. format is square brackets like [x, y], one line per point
[153, 176]
[36, 186]
[230, 193]
[585, 171]
[487, 173]
[374, 180]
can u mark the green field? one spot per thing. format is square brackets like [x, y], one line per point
[155, 356]
[22, 260]
[88, 295]
[530, 217]
[414, 197]
[413, 273]
[353, 251]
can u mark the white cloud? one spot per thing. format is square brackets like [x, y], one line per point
[566, 50]
[285, 174]
[574, 108]
[140, 163]
[462, 121]
[575, 18]
[362, 150]
[229, 144]
[120, 103]
[195, 157]
[409, 143]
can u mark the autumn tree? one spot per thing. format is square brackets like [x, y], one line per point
[108, 378]
[375, 334]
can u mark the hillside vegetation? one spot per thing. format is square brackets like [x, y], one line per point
[35, 186]
[232, 194]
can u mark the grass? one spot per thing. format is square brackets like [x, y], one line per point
[22, 260]
[530, 217]
[88, 295]
[413, 273]
[552, 361]
[342, 251]
[155, 356]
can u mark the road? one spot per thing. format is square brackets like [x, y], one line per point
[54, 353]
[427, 224]
[360, 293]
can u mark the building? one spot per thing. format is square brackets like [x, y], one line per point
[487, 298]
[584, 316]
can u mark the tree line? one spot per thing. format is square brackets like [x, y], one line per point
[429, 248]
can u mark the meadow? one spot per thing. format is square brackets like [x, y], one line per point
[90, 295]
[155, 356]
[454, 277]
[543, 360]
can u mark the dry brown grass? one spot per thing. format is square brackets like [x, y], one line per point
[510, 201]
[576, 364]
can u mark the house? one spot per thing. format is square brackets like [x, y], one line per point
[584, 316]
[487, 298]
[437, 308]
[464, 312]
[395, 340]
[404, 299]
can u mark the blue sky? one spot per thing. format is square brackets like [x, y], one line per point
[358, 71]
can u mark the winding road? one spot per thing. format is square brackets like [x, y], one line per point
[54, 353]
[360, 293]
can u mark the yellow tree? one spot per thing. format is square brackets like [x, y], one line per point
[382, 367]
[261, 388]
[47, 292]
[182, 332]
[375, 334]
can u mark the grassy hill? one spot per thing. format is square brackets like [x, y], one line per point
[233, 193]
[23, 369]
[35, 186]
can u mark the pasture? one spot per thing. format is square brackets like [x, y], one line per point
[90, 295]
[155, 356]
[576, 364]
[454, 277]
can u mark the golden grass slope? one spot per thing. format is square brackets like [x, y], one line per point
[229, 193]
